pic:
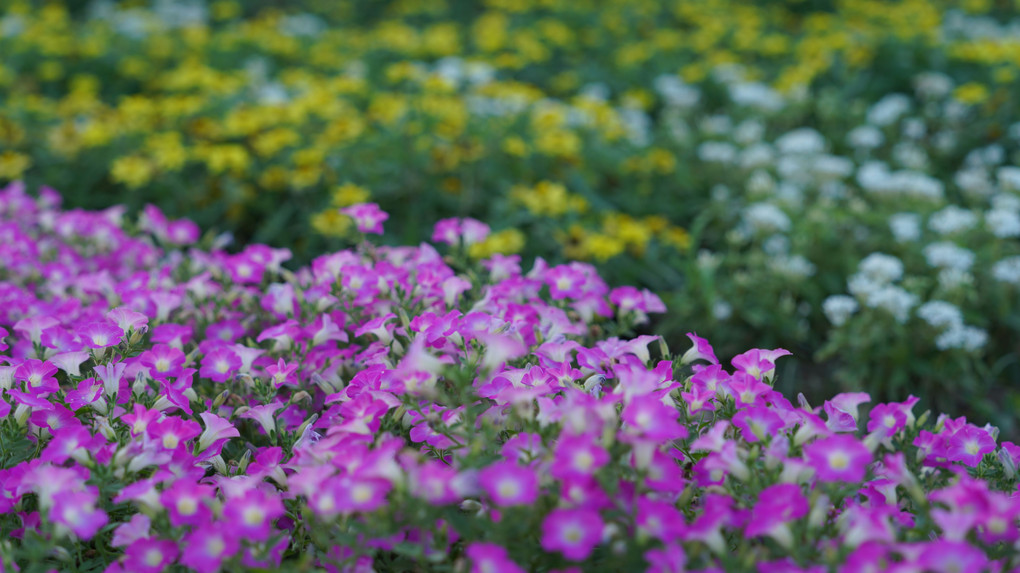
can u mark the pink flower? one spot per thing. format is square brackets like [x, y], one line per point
[368, 217]
[76, 510]
[653, 420]
[842, 411]
[220, 364]
[100, 334]
[572, 532]
[184, 501]
[252, 514]
[490, 558]
[969, 444]
[149, 555]
[577, 456]
[757, 423]
[701, 350]
[777, 505]
[509, 484]
[172, 432]
[659, 519]
[886, 420]
[838, 458]
[38, 376]
[208, 546]
[669, 559]
[163, 361]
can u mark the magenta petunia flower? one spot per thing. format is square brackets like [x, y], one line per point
[509, 484]
[252, 514]
[490, 558]
[100, 334]
[163, 361]
[185, 503]
[573, 532]
[668, 559]
[172, 432]
[220, 364]
[886, 420]
[968, 445]
[701, 350]
[648, 417]
[777, 505]
[757, 423]
[208, 545]
[659, 519]
[77, 511]
[38, 376]
[577, 456]
[150, 555]
[838, 458]
[368, 217]
[842, 411]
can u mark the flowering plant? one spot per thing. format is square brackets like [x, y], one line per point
[386, 408]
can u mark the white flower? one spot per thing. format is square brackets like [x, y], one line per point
[1006, 202]
[909, 155]
[914, 128]
[865, 137]
[952, 279]
[1003, 224]
[803, 140]
[952, 219]
[888, 109]
[968, 338]
[905, 226]
[1007, 270]
[881, 268]
[827, 167]
[895, 300]
[766, 217]
[1009, 177]
[758, 155]
[838, 308]
[721, 310]
[717, 152]
[716, 125]
[795, 266]
[933, 85]
[756, 95]
[974, 181]
[940, 314]
[675, 92]
[749, 131]
[945, 254]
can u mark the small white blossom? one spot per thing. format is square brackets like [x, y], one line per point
[717, 152]
[968, 338]
[888, 110]
[865, 137]
[905, 226]
[803, 141]
[766, 217]
[945, 254]
[952, 219]
[881, 268]
[1003, 224]
[1007, 270]
[838, 308]
[940, 314]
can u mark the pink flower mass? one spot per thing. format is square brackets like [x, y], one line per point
[397, 408]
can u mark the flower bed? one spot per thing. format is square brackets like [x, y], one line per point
[393, 409]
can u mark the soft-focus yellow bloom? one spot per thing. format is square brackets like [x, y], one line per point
[506, 241]
[972, 93]
[350, 194]
[13, 164]
[133, 171]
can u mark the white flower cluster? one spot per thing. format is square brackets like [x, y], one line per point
[873, 285]
[838, 308]
[948, 255]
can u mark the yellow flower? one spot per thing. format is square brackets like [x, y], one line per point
[13, 164]
[167, 150]
[226, 157]
[677, 237]
[350, 194]
[331, 223]
[132, 170]
[971, 93]
[274, 178]
[506, 241]
[559, 142]
[602, 247]
[515, 146]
